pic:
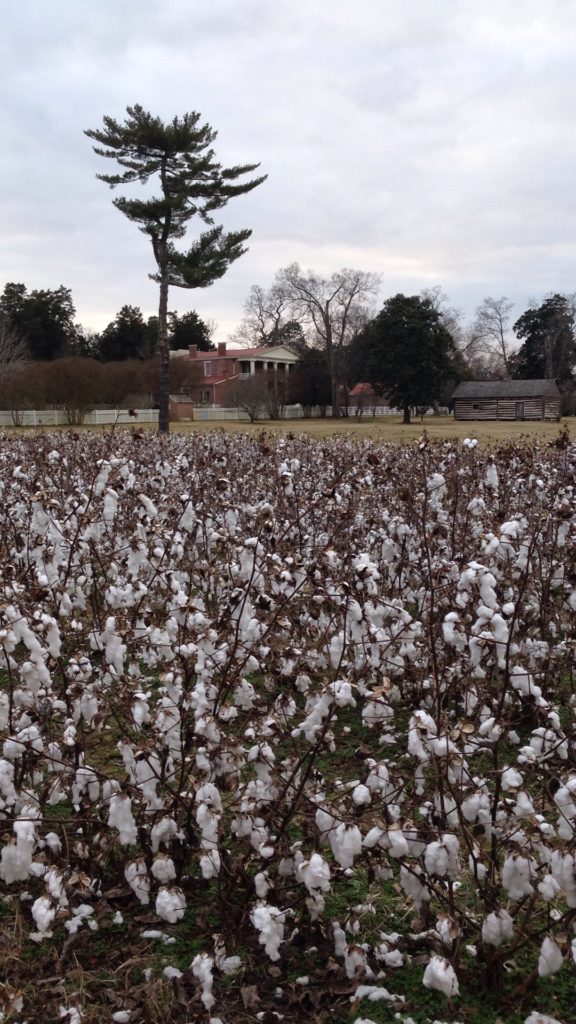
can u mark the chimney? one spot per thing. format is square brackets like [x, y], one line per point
[221, 348]
[192, 351]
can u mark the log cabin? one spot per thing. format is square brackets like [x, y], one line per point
[506, 400]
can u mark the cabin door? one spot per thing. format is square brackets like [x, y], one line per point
[519, 410]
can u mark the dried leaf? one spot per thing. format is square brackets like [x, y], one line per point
[250, 998]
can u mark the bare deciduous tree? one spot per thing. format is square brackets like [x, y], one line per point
[335, 308]
[267, 319]
[250, 396]
[490, 329]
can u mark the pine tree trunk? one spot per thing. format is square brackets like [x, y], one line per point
[406, 418]
[164, 357]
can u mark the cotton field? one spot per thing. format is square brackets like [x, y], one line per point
[301, 711]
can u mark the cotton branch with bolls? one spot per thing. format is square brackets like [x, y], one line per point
[176, 155]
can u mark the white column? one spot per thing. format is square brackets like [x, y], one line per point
[252, 367]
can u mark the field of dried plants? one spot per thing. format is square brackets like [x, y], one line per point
[288, 729]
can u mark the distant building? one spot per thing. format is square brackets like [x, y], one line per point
[506, 400]
[181, 408]
[363, 396]
[220, 371]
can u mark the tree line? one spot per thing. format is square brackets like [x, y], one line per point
[40, 324]
[413, 350]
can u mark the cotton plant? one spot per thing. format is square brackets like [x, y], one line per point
[235, 648]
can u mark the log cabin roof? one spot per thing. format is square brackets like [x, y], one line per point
[507, 389]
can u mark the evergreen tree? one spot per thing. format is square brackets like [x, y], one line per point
[549, 346]
[405, 352]
[128, 336]
[177, 155]
[309, 381]
[189, 329]
[43, 318]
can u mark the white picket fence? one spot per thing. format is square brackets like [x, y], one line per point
[291, 412]
[101, 417]
[57, 418]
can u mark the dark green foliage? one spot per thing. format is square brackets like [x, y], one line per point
[129, 336]
[405, 352]
[178, 157]
[42, 318]
[291, 333]
[189, 329]
[549, 346]
[310, 383]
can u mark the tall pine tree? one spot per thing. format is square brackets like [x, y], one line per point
[177, 156]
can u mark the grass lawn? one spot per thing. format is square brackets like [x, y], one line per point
[384, 428]
[391, 428]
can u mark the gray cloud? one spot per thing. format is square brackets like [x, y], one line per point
[432, 142]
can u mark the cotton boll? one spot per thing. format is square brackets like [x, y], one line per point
[517, 874]
[138, 879]
[261, 884]
[440, 975]
[563, 869]
[342, 693]
[7, 789]
[548, 888]
[376, 711]
[202, 965]
[443, 857]
[361, 795]
[354, 961]
[346, 843]
[397, 843]
[448, 929]
[550, 959]
[163, 831]
[170, 904]
[340, 941]
[269, 922]
[450, 634]
[541, 1018]
[81, 915]
[120, 816]
[491, 477]
[413, 884]
[15, 863]
[43, 913]
[374, 837]
[511, 779]
[524, 806]
[497, 928]
[436, 485]
[315, 873]
[53, 842]
[163, 868]
[71, 1014]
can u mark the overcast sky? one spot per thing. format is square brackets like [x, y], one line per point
[432, 141]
